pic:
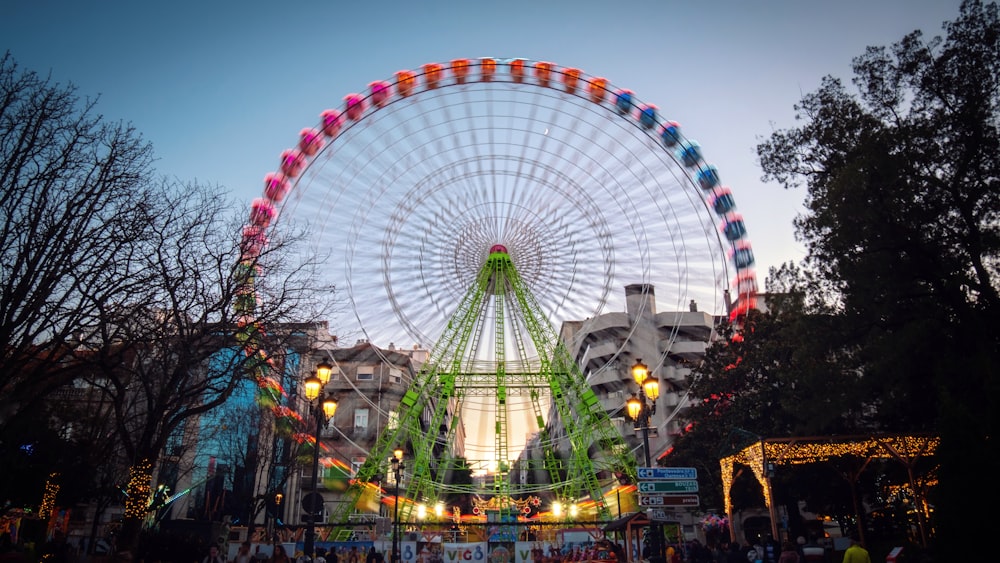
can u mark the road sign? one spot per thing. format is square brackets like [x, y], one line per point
[667, 473]
[662, 515]
[668, 486]
[312, 503]
[669, 500]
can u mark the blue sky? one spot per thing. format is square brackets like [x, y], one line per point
[221, 88]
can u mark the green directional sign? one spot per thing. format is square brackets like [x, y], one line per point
[685, 486]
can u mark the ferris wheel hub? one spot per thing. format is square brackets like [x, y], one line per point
[498, 248]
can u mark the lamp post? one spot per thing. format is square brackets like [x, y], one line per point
[640, 407]
[323, 411]
[397, 468]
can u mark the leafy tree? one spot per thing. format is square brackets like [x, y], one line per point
[787, 375]
[903, 232]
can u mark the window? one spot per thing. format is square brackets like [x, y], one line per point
[356, 463]
[366, 373]
[395, 375]
[361, 418]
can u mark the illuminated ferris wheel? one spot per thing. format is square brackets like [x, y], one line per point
[412, 186]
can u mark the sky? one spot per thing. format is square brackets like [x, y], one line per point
[221, 87]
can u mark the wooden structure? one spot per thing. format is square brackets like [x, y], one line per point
[630, 526]
[765, 453]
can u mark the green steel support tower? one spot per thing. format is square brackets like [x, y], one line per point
[499, 348]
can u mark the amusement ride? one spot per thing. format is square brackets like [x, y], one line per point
[476, 205]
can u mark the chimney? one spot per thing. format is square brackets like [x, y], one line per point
[640, 299]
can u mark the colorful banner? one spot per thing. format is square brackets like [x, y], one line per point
[470, 552]
[534, 551]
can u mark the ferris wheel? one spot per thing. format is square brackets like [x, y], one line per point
[408, 185]
[411, 187]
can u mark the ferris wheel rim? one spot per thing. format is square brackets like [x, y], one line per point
[370, 103]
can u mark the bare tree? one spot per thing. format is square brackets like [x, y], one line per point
[71, 194]
[240, 441]
[174, 346]
[144, 285]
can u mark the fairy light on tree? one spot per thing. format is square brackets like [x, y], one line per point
[139, 489]
[49, 496]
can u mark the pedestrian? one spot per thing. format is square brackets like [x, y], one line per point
[788, 553]
[720, 552]
[370, 558]
[813, 552]
[280, 555]
[772, 549]
[243, 555]
[735, 554]
[213, 555]
[698, 553]
[320, 555]
[617, 550]
[856, 553]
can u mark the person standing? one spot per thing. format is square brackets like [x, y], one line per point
[813, 552]
[213, 555]
[772, 549]
[280, 555]
[735, 554]
[856, 553]
[243, 555]
[788, 553]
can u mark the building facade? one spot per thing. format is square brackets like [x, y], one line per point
[368, 384]
[670, 343]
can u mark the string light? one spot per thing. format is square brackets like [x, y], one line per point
[49, 497]
[139, 489]
[800, 451]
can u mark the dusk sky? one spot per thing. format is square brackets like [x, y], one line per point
[221, 88]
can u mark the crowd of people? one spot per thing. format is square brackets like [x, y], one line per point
[767, 551]
[278, 554]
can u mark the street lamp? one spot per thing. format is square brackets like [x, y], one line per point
[640, 407]
[323, 410]
[397, 468]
